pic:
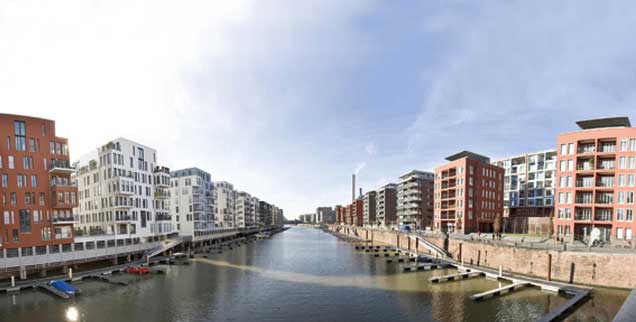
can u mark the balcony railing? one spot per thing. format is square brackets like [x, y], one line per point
[583, 216]
[607, 147]
[603, 217]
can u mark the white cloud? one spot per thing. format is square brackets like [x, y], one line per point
[371, 149]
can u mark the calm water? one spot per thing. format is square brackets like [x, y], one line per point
[300, 275]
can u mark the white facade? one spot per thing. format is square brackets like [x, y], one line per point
[226, 205]
[116, 185]
[192, 203]
[529, 180]
[246, 207]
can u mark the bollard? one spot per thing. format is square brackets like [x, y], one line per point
[12, 281]
[500, 270]
[70, 273]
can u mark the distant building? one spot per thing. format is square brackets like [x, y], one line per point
[245, 211]
[385, 205]
[226, 205]
[369, 208]
[415, 199]
[325, 215]
[468, 194]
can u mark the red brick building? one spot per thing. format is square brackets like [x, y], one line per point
[356, 212]
[339, 215]
[596, 170]
[468, 194]
[37, 193]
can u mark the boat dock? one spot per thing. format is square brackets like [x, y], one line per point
[575, 294]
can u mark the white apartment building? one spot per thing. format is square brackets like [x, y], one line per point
[226, 205]
[192, 203]
[245, 210]
[117, 191]
[415, 199]
[529, 183]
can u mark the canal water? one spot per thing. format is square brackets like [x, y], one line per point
[302, 274]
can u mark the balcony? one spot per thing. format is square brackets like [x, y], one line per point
[61, 182]
[585, 148]
[583, 215]
[122, 218]
[63, 204]
[585, 182]
[585, 198]
[605, 198]
[607, 147]
[606, 164]
[603, 215]
[61, 167]
[163, 217]
[162, 194]
[63, 221]
[605, 182]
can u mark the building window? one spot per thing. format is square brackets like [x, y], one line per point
[11, 163]
[564, 149]
[619, 233]
[624, 145]
[25, 221]
[20, 135]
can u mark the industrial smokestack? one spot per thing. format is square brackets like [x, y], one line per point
[353, 187]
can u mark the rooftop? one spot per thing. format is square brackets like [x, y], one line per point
[621, 121]
[470, 155]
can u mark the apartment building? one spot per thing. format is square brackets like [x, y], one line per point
[529, 184]
[596, 169]
[369, 208]
[193, 204]
[415, 200]
[385, 205]
[265, 213]
[118, 194]
[245, 211]
[468, 194]
[325, 215]
[38, 195]
[226, 205]
[356, 212]
[340, 219]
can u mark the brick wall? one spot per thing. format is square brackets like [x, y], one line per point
[609, 270]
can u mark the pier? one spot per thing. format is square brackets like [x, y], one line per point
[438, 258]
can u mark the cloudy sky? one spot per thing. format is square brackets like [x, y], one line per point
[286, 99]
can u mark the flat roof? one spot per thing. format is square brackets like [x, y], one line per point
[621, 121]
[470, 155]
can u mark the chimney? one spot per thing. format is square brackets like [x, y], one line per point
[353, 187]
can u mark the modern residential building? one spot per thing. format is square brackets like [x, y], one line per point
[277, 217]
[385, 205]
[118, 195]
[38, 195]
[415, 200]
[529, 184]
[369, 208]
[226, 205]
[340, 219]
[356, 212]
[255, 203]
[326, 215]
[193, 204]
[468, 194]
[307, 218]
[245, 211]
[265, 213]
[596, 169]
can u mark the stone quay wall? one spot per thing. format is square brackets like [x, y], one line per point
[614, 270]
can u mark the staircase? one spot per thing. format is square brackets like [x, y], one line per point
[432, 247]
[166, 246]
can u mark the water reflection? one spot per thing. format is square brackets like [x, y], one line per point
[72, 314]
[301, 275]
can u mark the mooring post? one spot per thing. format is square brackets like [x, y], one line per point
[12, 281]
[70, 273]
[549, 267]
[461, 258]
[500, 270]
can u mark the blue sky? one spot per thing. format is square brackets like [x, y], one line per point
[286, 99]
